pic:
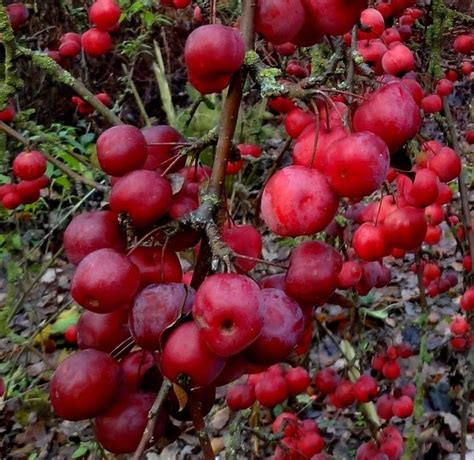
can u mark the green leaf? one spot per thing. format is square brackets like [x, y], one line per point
[86, 139]
[81, 451]
[66, 318]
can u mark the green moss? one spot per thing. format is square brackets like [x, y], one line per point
[251, 58]
[10, 82]
[269, 85]
[443, 19]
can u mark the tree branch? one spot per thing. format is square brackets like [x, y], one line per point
[53, 69]
[227, 126]
[152, 416]
[466, 214]
[54, 161]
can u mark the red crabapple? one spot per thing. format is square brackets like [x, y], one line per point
[84, 385]
[228, 312]
[104, 281]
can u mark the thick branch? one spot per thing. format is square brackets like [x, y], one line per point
[10, 80]
[227, 126]
[53, 69]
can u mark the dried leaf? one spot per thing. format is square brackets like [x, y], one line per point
[181, 395]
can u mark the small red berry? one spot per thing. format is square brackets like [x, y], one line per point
[402, 407]
[391, 370]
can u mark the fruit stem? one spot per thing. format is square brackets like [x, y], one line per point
[152, 416]
[54, 161]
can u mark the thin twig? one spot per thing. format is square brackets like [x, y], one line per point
[54, 161]
[136, 95]
[200, 427]
[152, 416]
[466, 215]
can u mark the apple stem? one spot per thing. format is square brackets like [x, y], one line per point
[152, 416]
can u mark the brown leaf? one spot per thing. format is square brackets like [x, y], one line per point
[181, 395]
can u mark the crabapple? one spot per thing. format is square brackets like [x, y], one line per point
[121, 149]
[157, 308]
[228, 312]
[105, 280]
[312, 276]
[90, 231]
[298, 201]
[187, 360]
[283, 327]
[84, 385]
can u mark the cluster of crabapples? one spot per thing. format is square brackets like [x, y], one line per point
[29, 168]
[142, 320]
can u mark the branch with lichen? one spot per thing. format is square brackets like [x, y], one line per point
[54, 70]
[10, 82]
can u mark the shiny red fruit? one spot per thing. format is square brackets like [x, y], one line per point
[103, 332]
[157, 308]
[240, 396]
[402, 407]
[187, 360]
[96, 42]
[369, 242]
[298, 201]
[384, 406]
[245, 240]
[212, 54]
[283, 326]
[163, 144]
[297, 380]
[312, 276]
[120, 428]
[156, 265]
[228, 312]
[104, 281]
[18, 14]
[121, 149]
[405, 228]
[104, 14]
[446, 164]
[326, 380]
[144, 195]
[271, 391]
[391, 370]
[136, 366]
[357, 164]
[365, 389]
[29, 165]
[279, 20]
[90, 231]
[84, 385]
[391, 113]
